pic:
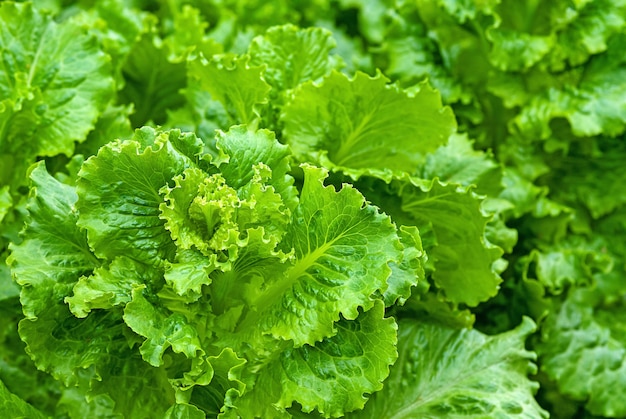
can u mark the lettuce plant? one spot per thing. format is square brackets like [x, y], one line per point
[345, 208]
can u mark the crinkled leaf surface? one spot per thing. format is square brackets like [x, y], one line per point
[583, 350]
[458, 162]
[135, 389]
[409, 271]
[119, 194]
[54, 82]
[232, 81]
[463, 259]
[55, 252]
[293, 56]
[444, 372]
[342, 250]
[330, 377]
[591, 102]
[160, 328]
[363, 123]
[109, 285]
[246, 149]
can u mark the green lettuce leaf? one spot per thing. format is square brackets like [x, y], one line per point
[132, 387]
[153, 83]
[212, 383]
[13, 406]
[5, 202]
[572, 261]
[113, 124]
[55, 252]
[109, 286]
[590, 101]
[342, 250]
[582, 349]
[234, 83]
[257, 146]
[462, 257]
[160, 328]
[121, 214]
[330, 377]
[54, 83]
[17, 370]
[293, 56]
[188, 36]
[409, 271]
[372, 16]
[559, 32]
[458, 162]
[364, 123]
[444, 372]
[118, 25]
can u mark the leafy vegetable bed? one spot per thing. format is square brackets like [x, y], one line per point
[359, 208]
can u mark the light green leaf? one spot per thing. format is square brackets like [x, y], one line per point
[372, 15]
[54, 253]
[444, 372]
[201, 113]
[293, 56]
[332, 377]
[119, 194]
[190, 273]
[199, 211]
[257, 261]
[584, 29]
[409, 270]
[110, 286]
[113, 124]
[118, 26]
[343, 248]
[14, 407]
[188, 36]
[74, 403]
[433, 308]
[412, 55]
[517, 51]
[54, 83]
[161, 329]
[232, 81]
[574, 179]
[463, 259]
[211, 382]
[571, 261]
[8, 288]
[458, 162]
[184, 411]
[464, 10]
[364, 123]
[264, 207]
[246, 148]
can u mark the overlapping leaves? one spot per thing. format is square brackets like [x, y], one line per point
[191, 253]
